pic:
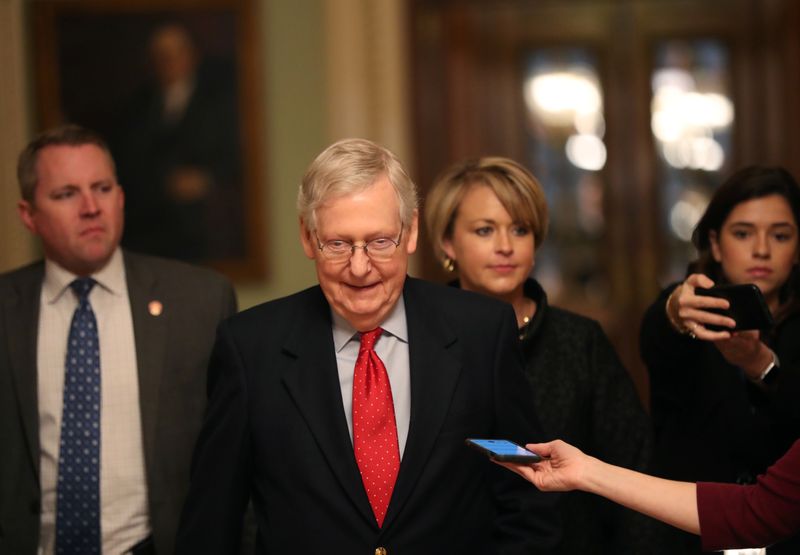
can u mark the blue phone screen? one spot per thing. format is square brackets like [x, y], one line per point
[503, 447]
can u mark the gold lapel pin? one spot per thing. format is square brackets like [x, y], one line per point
[155, 308]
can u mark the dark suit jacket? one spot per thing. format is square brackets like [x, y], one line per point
[172, 353]
[275, 429]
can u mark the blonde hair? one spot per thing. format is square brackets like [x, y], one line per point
[515, 187]
[351, 166]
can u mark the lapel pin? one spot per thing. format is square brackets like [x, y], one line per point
[155, 308]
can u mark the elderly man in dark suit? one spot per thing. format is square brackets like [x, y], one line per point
[103, 358]
[343, 409]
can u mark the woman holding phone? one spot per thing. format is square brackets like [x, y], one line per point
[725, 516]
[725, 403]
[486, 218]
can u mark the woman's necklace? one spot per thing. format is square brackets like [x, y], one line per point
[531, 310]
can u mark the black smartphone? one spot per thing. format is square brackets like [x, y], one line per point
[504, 450]
[747, 306]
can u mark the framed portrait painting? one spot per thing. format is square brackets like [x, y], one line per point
[173, 87]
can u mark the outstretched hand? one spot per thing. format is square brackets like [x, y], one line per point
[563, 468]
[567, 469]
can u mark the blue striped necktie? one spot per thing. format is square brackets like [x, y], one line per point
[78, 489]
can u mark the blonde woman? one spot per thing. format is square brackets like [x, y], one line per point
[486, 219]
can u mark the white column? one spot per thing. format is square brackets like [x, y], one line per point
[16, 245]
[366, 51]
[367, 72]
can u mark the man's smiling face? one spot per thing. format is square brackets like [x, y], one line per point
[361, 290]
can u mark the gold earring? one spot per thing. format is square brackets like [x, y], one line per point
[448, 264]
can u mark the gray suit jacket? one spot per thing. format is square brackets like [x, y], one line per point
[172, 352]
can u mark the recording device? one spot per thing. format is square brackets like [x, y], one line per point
[504, 450]
[747, 307]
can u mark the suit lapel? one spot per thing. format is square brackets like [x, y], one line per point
[150, 335]
[434, 375]
[312, 381]
[21, 313]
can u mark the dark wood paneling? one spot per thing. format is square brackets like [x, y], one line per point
[466, 57]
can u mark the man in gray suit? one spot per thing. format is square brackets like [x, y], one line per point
[155, 322]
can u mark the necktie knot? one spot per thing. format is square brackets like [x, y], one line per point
[369, 338]
[82, 287]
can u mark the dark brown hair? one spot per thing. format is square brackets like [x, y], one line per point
[746, 184]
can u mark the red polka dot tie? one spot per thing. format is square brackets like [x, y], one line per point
[374, 427]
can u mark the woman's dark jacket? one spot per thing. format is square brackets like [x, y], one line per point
[583, 395]
[712, 423]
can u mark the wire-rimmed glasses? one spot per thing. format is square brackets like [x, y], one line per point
[379, 249]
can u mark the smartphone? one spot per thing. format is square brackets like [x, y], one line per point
[747, 306]
[504, 450]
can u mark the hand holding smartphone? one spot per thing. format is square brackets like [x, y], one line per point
[747, 306]
[503, 450]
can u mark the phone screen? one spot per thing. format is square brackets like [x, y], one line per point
[504, 450]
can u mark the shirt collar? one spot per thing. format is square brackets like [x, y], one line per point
[394, 324]
[57, 278]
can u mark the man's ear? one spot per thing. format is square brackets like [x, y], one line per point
[25, 210]
[714, 242]
[413, 233]
[121, 196]
[308, 240]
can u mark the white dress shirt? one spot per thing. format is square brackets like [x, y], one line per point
[123, 488]
[392, 349]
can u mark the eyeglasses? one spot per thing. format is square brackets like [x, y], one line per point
[378, 249]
